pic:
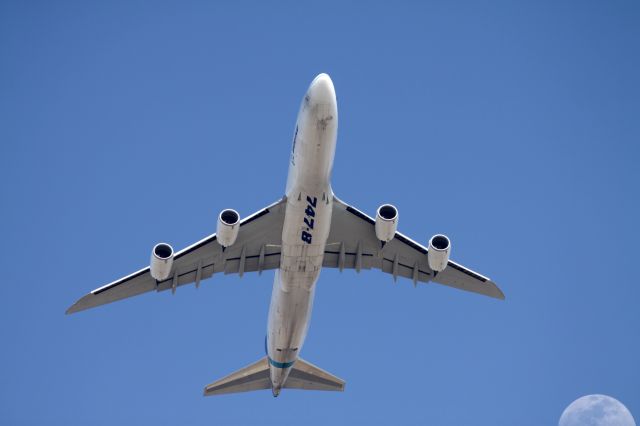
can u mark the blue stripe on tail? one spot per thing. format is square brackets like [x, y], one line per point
[276, 363]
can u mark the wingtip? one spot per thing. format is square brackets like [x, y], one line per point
[71, 309]
[499, 294]
[81, 304]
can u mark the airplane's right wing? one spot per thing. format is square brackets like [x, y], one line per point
[256, 248]
[352, 244]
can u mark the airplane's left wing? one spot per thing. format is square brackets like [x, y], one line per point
[352, 244]
[256, 248]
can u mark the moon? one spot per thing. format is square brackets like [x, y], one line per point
[596, 410]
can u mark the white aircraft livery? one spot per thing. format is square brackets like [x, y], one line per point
[308, 229]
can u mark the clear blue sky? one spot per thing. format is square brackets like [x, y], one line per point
[511, 126]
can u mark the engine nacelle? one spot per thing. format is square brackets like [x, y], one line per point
[386, 222]
[439, 250]
[161, 261]
[228, 227]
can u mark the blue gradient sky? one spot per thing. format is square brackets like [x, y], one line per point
[510, 126]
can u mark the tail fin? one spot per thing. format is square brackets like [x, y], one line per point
[252, 377]
[303, 375]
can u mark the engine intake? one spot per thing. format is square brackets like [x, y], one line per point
[161, 261]
[439, 250]
[386, 222]
[228, 227]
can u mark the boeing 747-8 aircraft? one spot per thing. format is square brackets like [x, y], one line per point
[298, 235]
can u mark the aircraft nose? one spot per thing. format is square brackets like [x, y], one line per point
[321, 90]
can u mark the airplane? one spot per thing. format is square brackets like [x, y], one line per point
[307, 230]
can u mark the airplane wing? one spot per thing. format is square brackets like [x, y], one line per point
[257, 248]
[353, 244]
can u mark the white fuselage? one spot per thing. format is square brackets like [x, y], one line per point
[306, 227]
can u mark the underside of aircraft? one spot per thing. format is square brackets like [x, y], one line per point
[298, 235]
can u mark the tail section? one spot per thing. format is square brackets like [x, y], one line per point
[252, 377]
[303, 375]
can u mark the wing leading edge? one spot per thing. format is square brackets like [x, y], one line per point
[353, 244]
[257, 248]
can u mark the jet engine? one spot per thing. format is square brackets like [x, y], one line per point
[386, 222]
[439, 250]
[161, 261]
[228, 227]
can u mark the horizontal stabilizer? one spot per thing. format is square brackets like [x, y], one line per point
[305, 375]
[256, 376]
[253, 377]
